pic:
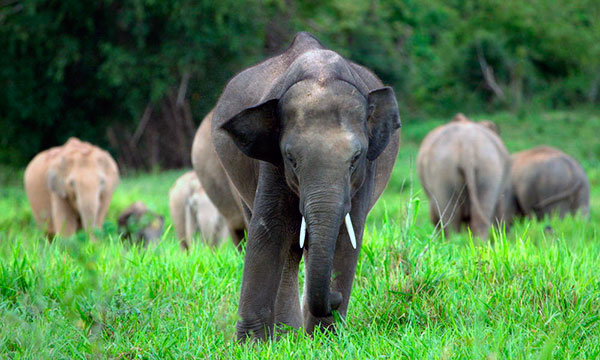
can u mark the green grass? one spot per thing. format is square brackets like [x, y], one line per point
[528, 294]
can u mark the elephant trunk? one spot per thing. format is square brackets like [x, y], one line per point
[88, 204]
[324, 213]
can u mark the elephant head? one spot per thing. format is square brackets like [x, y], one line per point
[324, 137]
[81, 179]
[139, 224]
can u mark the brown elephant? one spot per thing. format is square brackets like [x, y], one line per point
[546, 180]
[216, 183]
[137, 223]
[70, 187]
[308, 139]
[464, 169]
[192, 212]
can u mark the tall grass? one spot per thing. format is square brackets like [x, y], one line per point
[525, 294]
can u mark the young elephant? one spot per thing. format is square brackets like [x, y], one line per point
[308, 139]
[192, 212]
[139, 224]
[464, 168]
[70, 187]
[546, 180]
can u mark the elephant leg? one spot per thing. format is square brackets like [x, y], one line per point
[561, 208]
[480, 223]
[64, 217]
[190, 228]
[581, 203]
[287, 306]
[434, 215]
[237, 235]
[238, 229]
[275, 222]
[500, 222]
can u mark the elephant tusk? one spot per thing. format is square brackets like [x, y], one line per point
[302, 232]
[350, 230]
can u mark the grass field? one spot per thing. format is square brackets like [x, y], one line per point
[528, 294]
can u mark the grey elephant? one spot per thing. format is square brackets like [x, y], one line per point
[214, 180]
[464, 169]
[546, 180]
[139, 224]
[308, 140]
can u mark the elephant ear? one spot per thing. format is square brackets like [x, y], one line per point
[491, 125]
[56, 183]
[383, 119]
[256, 130]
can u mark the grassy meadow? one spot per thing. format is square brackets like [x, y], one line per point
[526, 294]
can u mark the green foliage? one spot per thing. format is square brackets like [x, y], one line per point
[71, 68]
[76, 67]
[526, 295]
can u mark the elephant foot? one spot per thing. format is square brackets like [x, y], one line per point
[288, 321]
[254, 330]
[311, 322]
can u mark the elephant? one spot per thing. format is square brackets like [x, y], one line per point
[546, 180]
[464, 169]
[214, 180]
[192, 212]
[70, 187]
[139, 224]
[308, 139]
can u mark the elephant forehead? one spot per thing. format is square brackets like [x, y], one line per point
[329, 141]
[310, 102]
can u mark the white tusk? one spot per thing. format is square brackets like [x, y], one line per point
[350, 230]
[302, 232]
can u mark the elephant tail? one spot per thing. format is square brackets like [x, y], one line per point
[475, 205]
[577, 184]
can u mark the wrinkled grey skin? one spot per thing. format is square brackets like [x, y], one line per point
[464, 168]
[306, 133]
[546, 180]
[214, 180]
[139, 224]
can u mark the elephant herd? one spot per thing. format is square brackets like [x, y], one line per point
[70, 188]
[296, 152]
[471, 179]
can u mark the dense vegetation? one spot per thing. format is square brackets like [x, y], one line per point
[528, 294]
[135, 75]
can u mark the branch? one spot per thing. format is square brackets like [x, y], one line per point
[183, 85]
[488, 74]
[142, 125]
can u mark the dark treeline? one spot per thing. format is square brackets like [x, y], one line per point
[137, 76]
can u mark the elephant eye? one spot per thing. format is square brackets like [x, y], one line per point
[72, 182]
[354, 160]
[290, 157]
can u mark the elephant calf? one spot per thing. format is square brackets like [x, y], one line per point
[139, 224]
[464, 168]
[192, 212]
[70, 187]
[546, 180]
[308, 139]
